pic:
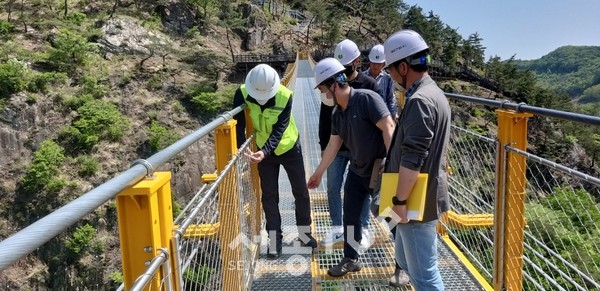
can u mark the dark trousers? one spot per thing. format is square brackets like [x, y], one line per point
[356, 190]
[268, 170]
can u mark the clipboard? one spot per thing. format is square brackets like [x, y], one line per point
[416, 202]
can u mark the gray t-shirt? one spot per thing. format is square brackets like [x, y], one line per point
[357, 127]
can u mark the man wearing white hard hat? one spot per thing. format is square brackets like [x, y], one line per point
[362, 122]
[269, 105]
[386, 89]
[419, 146]
[348, 55]
[384, 81]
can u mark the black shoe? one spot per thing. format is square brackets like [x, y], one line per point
[345, 266]
[274, 247]
[310, 242]
[273, 253]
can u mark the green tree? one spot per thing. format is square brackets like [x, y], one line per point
[327, 19]
[578, 205]
[44, 167]
[383, 17]
[591, 95]
[472, 51]
[97, 120]
[206, 9]
[80, 241]
[88, 165]
[37, 191]
[231, 20]
[71, 50]
[13, 77]
[450, 51]
[159, 136]
[6, 29]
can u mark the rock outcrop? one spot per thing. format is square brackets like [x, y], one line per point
[126, 36]
[257, 27]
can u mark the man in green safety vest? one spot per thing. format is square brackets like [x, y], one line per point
[270, 109]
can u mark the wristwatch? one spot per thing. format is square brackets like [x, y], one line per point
[397, 201]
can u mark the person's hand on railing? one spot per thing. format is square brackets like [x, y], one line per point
[254, 157]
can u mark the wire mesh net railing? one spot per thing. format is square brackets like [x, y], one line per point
[561, 210]
[201, 249]
[472, 162]
[561, 249]
[202, 232]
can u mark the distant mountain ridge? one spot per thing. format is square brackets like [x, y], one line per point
[574, 70]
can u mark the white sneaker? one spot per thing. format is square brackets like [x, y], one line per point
[365, 242]
[400, 278]
[335, 235]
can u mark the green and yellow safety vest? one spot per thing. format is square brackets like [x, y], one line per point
[263, 121]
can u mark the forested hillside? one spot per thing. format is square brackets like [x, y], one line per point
[574, 70]
[87, 87]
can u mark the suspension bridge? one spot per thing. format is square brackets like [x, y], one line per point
[518, 220]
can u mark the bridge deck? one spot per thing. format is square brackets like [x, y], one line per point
[297, 268]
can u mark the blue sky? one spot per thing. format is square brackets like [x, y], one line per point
[528, 28]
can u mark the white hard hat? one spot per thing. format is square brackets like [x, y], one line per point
[376, 54]
[327, 68]
[403, 44]
[346, 51]
[262, 82]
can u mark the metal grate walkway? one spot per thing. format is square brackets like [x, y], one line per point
[297, 269]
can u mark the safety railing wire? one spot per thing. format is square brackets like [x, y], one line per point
[35, 235]
[561, 249]
[198, 235]
[472, 162]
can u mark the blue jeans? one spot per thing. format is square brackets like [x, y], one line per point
[416, 252]
[335, 179]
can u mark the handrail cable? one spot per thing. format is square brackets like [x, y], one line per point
[151, 270]
[522, 107]
[556, 166]
[35, 235]
[213, 187]
[561, 259]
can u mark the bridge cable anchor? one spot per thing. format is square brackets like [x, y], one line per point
[147, 165]
[519, 106]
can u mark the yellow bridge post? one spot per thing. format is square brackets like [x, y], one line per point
[229, 210]
[509, 216]
[145, 225]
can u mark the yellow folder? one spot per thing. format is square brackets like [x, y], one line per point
[416, 201]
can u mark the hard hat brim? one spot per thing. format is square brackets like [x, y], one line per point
[377, 61]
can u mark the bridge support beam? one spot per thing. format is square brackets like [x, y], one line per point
[145, 226]
[509, 216]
